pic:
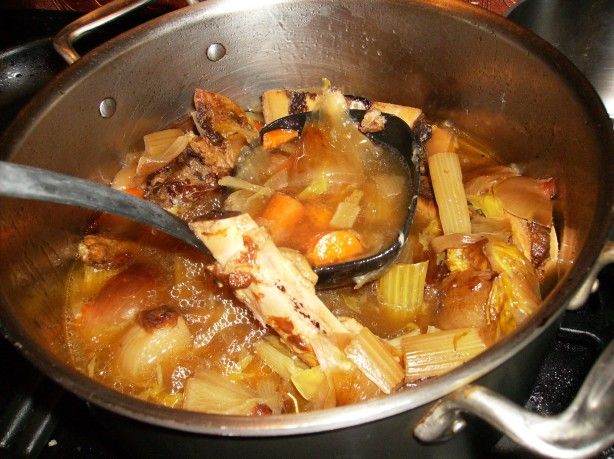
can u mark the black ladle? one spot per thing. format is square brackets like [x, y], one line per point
[27, 182]
[399, 137]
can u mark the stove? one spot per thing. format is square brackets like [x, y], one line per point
[39, 418]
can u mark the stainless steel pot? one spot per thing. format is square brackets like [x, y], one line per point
[484, 74]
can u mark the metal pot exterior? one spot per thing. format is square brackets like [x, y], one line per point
[459, 63]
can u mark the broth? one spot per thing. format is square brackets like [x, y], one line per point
[156, 319]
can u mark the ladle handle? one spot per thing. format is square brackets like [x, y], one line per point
[63, 42]
[19, 181]
[584, 429]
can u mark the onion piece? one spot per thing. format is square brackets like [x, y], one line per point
[487, 178]
[525, 197]
[145, 345]
[127, 177]
[389, 186]
[240, 184]
[455, 241]
[210, 392]
[277, 181]
[156, 156]
[481, 224]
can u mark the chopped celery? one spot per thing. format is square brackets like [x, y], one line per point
[317, 187]
[280, 362]
[369, 354]
[345, 216]
[401, 289]
[307, 381]
[347, 211]
[240, 184]
[436, 353]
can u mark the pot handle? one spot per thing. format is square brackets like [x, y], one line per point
[584, 429]
[63, 42]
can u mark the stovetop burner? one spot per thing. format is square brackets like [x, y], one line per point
[41, 419]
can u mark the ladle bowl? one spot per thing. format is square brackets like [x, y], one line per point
[399, 137]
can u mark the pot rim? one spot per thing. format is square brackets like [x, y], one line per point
[339, 417]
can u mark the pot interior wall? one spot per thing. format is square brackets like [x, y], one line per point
[459, 64]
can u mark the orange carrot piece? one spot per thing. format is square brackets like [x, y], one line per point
[135, 191]
[334, 247]
[318, 214]
[275, 138]
[282, 213]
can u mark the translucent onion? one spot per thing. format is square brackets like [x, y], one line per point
[455, 241]
[210, 392]
[127, 177]
[525, 197]
[389, 185]
[519, 284]
[483, 183]
[277, 181]
[481, 224]
[142, 350]
[160, 149]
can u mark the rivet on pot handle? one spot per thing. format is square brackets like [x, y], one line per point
[584, 429]
[64, 40]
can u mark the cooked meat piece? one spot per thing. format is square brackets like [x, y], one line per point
[300, 101]
[533, 239]
[189, 168]
[218, 118]
[186, 186]
[540, 243]
[106, 252]
[219, 159]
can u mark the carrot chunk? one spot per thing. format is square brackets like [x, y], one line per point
[318, 214]
[334, 247]
[281, 214]
[135, 191]
[275, 138]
